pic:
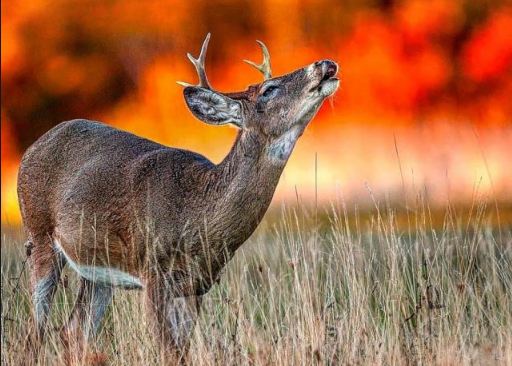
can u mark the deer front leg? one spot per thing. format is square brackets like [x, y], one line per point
[173, 320]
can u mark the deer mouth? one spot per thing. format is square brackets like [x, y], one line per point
[327, 85]
[329, 82]
[327, 79]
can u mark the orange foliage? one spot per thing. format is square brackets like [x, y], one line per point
[10, 158]
[429, 75]
[488, 55]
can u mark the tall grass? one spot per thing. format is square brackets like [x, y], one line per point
[330, 288]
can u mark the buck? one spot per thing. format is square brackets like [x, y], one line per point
[126, 212]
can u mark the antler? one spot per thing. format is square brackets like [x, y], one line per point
[264, 68]
[199, 65]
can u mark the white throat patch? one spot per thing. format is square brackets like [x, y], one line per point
[280, 150]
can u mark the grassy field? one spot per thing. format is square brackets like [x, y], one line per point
[322, 287]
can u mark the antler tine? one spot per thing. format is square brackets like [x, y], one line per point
[264, 67]
[199, 65]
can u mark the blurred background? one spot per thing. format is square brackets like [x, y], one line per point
[425, 103]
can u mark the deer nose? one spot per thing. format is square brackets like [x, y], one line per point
[329, 68]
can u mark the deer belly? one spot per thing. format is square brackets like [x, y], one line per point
[101, 274]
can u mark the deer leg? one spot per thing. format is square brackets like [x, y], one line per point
[45, 265]
[84, 323]
[173, 320]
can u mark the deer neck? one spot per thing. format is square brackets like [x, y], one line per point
[249, 179]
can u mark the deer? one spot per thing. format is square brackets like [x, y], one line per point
[124, 212]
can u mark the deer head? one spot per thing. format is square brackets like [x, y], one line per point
[278, 109]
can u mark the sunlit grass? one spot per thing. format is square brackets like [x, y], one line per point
[321, 288]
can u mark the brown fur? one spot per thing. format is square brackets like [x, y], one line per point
[167, 216]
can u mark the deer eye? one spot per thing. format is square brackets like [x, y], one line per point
[269, 90]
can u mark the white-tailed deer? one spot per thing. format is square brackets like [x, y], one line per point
[123, 211]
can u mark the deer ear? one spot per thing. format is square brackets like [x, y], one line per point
[212, 107]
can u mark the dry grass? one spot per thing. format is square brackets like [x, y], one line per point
[338, 289]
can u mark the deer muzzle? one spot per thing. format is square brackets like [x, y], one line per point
[325, 75]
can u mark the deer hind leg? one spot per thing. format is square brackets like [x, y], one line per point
[84, 323]
[173, 320]
[45, 266]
